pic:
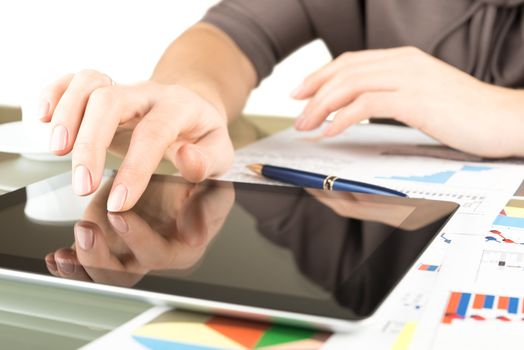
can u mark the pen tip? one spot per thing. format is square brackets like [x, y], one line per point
[256, 168]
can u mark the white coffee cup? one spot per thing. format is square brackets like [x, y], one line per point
[47, 203]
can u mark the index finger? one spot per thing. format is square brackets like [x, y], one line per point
[152, 136]
[151, 250]
[98, 260]
[106, 109]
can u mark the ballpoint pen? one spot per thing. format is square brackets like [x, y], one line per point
[327, 182]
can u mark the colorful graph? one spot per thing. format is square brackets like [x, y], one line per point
[520, 190]
[441, 177]
[499, 237]
[405, 337]
[469, 202]
[443, 236]
[425, 267]
[502, 265]
[413, 301]
[482, 307]
[512, 215]
[180, 330]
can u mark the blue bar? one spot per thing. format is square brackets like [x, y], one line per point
[513, 305]
[509, 221]
[437, 178]
[463, 304]
[432, 267]
[475, 168]
[489, 301]
[161, 344]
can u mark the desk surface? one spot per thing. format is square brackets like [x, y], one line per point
[34, 316]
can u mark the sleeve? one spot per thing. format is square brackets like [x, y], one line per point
[265, 30]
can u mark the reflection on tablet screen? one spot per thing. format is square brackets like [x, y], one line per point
[331, 254]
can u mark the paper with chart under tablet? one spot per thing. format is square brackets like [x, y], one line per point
[466, 290]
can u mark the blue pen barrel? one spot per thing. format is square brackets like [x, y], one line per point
[355, 186]
[306, 179]
[294, 177]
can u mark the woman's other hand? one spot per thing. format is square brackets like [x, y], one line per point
[419, 90]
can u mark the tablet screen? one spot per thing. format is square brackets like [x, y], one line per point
[332, 254]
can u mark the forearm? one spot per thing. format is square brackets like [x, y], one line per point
[207, 61]
[515, 122]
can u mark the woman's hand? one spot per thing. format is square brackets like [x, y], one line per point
[89, 114]
[419, 90]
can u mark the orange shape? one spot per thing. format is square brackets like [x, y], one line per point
[246, 333]
[453, 302]
[448, 318]
[478, 303]
[503, 303]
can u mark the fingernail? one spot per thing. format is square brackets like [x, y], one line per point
[50, 263]
[43, 109]
[329, 130]
[81, 180]
[117, 198]
[84, 236]
[299, 123]
[297, 91]
[65, 265]
[51, 267]
[204, 162]
[58, 138]
[118, 223]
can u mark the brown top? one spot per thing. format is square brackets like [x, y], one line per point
[484, 38]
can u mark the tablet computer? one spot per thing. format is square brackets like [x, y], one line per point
[304, 257]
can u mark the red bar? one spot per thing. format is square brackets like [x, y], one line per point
[503, 303]
[478, 302]
[423, 267]
[449, 318]
[451, 309]
[453, 302]
[478, 317]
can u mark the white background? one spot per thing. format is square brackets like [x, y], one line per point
[42, 40]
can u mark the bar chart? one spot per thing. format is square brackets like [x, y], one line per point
[497, 266]
[426, 267]
[512, 214]
[470, 202]
[441, 177]
[482, 307]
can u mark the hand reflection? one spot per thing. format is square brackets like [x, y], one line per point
[169, 228]
[352, 205]
[392, 211]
